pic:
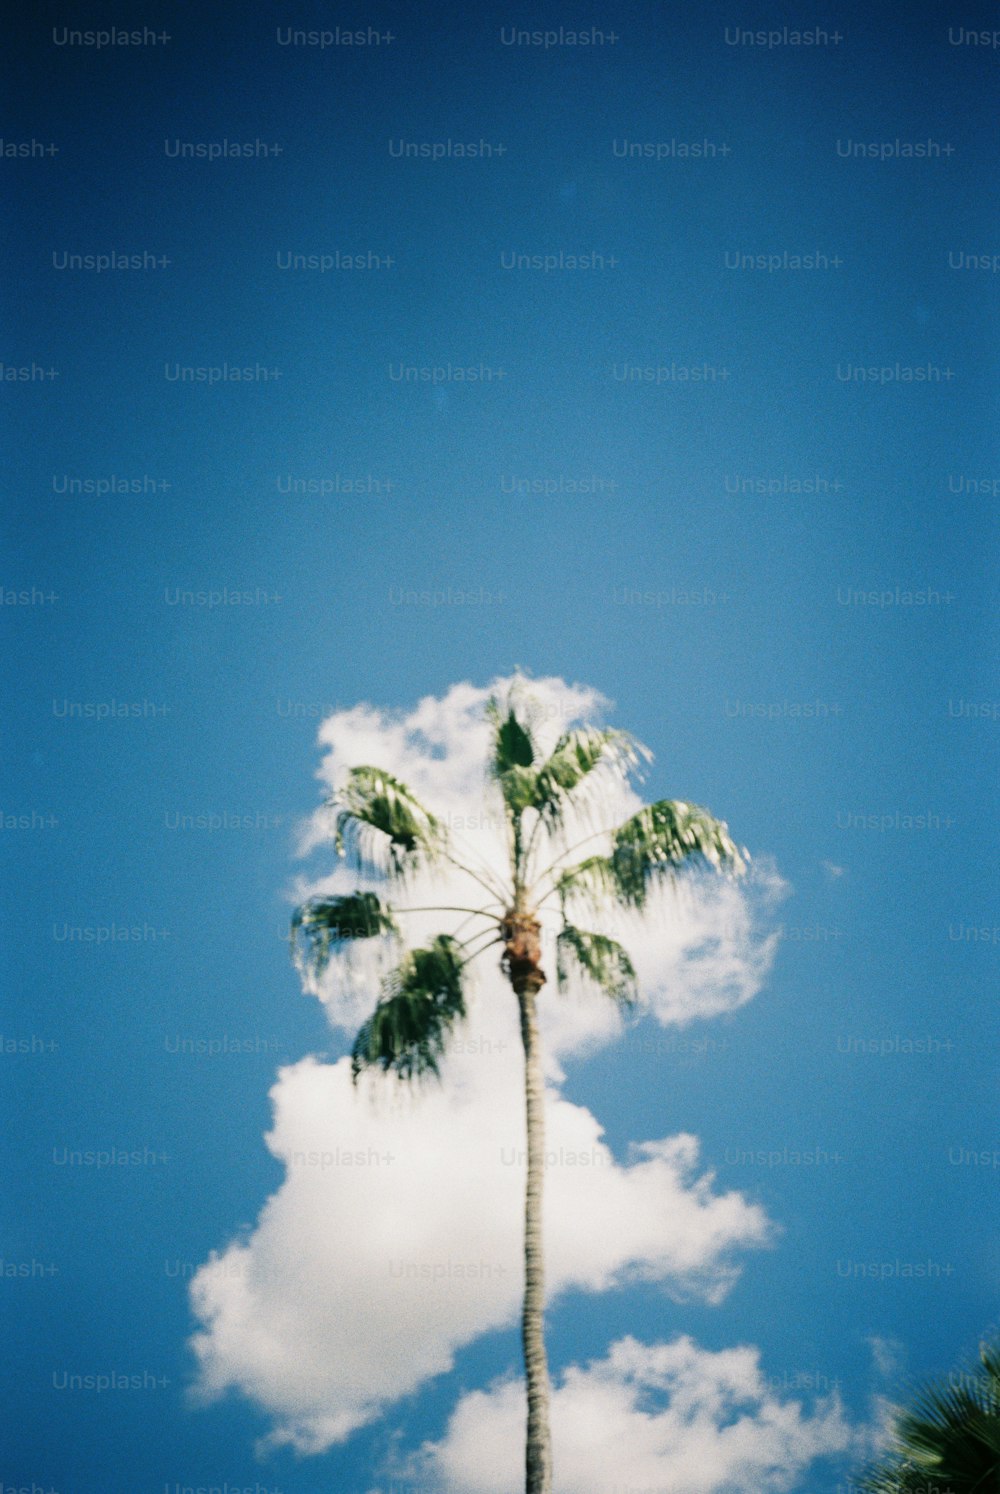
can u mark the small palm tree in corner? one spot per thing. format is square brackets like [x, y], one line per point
[948, 1441]
[389, 835]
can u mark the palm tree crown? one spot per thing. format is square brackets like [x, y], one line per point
[546, 799]
[383, 829]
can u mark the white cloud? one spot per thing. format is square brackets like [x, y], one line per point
[664, 1418]
[887, 1354]
[362, 1277]
[396, 1235]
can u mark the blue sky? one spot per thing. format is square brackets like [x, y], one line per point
[813, 665]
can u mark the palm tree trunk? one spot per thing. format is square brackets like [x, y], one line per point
[521, 963]
[538, 1457]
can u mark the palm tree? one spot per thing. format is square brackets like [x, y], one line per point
[949, 1441]
[381, 826]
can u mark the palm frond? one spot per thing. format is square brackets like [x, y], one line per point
[513, 740]
[377, 817]
[519, 787]
[649, 848]
[421, 1002]
[592, 879]
[511, 761]
[600, 959]
[576, 754]
[323, 925]
[948, 1441]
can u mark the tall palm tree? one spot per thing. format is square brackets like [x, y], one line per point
[381, 826]
[948, 1442]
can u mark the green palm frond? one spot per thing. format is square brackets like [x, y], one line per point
[576, 754]
[600, 959]
[512, 758]
[546, 786]
[948, 1441]
[649, 848]
[324, 925]
[592, 879]
[376, 814]
[513, 740]
[421, 1001]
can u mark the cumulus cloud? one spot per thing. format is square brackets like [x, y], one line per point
[662, 1418]
[395, 1237]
